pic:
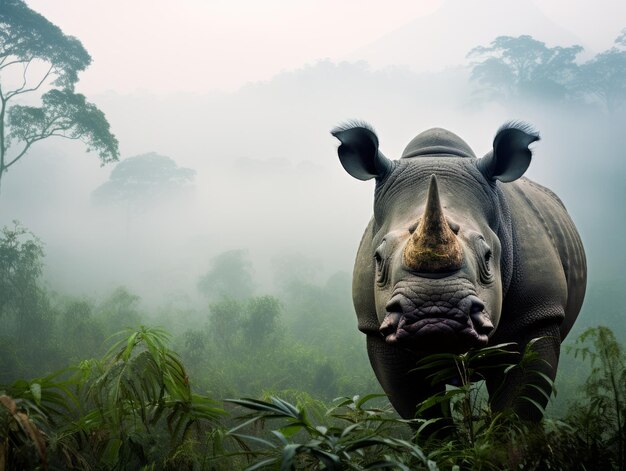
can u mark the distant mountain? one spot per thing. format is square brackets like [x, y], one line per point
[444, 37]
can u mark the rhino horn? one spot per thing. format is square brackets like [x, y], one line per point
[433, 246]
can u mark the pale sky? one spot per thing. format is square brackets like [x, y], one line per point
[202, 45]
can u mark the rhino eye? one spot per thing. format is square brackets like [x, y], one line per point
[382, 265]
[378, 259]
[488, 256]
[485, 256]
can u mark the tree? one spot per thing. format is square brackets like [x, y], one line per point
[142, 179]
[621, 38]
[230, 277]
[37, 58]
[21, 265]
[120, 308]
[25, 312]
[602, 78]
[523, 66]
[262, 320]
[140, 182]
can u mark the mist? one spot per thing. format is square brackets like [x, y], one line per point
[250, 209]
[267, 178]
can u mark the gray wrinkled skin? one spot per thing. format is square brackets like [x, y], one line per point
[523, 274]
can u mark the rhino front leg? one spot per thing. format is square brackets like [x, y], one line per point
[404, 387]
[520, 384]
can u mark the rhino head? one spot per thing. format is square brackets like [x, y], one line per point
[441, 243]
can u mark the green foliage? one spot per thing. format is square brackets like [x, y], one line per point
[119, 309]
[136, 408]
[230, 276]
[24, 305]
[354, 436]
[26, 35]
[250, 324]
[132, 408]
[35, 55]
[50, 405]
[76, 320]
[601, 412]
[475, 437]
[249, 347]
[21, 264]
[138, 386]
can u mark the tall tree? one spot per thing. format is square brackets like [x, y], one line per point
[141, 180]
[230, 277]
[36, 58]
[23, 301]
[603, 78]
[524, 66]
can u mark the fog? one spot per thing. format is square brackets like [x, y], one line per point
[267, 177]
[214, 259]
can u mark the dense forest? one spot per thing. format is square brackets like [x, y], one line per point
[200, 354]
[250, 383]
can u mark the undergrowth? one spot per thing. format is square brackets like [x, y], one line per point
[134, 409]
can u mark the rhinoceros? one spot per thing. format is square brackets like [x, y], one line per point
[461, 253]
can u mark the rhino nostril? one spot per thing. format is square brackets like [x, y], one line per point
[389, 324]
[479, 318]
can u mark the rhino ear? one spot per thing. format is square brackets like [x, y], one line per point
[359, 152]
[510, 156]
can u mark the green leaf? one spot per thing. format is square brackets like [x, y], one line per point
[387, 464]
[261, 464]
[535, 403]
[281, 437]
[289, 453]
[330, 460]
[111, 452]
[359, 404]
[254, 439]
[35, 389]
[438, 399]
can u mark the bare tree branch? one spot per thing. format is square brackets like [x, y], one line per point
[19, 156]
[47, 132]
[21, 90]
[24, 72]
[65, 136]
[2, 65]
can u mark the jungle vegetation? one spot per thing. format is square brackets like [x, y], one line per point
[250, 387]
[254, 378]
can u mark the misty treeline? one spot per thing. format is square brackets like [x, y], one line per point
[241, 342]
[92, 381]
[524, 67]
[94, 384]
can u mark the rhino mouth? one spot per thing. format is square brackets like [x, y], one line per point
[436, 323]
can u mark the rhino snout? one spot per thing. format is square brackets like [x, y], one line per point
[405, 317]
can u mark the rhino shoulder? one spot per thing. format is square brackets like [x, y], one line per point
[545, 235]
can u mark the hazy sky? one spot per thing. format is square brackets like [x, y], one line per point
[203, 45]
